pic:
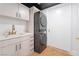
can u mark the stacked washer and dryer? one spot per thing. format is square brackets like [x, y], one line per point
[40, 32]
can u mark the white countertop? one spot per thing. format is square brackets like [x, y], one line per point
[13, 36]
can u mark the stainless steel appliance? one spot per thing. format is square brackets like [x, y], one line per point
[40, 32]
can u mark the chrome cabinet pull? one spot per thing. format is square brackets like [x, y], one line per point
[19, 46]
[16, 14]
[19, 15]
[16, 47]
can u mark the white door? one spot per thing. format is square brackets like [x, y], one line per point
[59, 26]
[9, 50]
[9, 9]
[75, 28]
[23, 12]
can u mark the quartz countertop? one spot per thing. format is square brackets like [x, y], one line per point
[13, 36]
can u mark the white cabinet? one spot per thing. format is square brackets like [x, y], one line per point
[14, 10]
[20, 46]
[75, 28]
[59, 26]
[9, 50]
[0, 51]
[26, 47]
[9, 9]
[23, 12]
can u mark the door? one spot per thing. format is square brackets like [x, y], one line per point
[59, 26]
[9, 9]
[75, 28]
[8, 50]
[23, 12]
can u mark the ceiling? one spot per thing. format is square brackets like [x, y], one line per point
[40, 6]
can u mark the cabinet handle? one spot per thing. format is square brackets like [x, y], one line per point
[16, 47]
[19, 46]
[19, 15]
[16, 14]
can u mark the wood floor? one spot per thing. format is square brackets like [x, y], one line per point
[52, 51]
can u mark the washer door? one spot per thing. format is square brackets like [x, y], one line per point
[43, 21]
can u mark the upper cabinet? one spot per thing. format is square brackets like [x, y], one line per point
[9, 9]
[23, 12]
[15, 10]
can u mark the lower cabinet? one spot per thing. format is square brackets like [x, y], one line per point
[9, 50]
[22, 48]
[26, 47]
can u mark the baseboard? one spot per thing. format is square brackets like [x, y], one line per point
[74, 53]
[69, 52]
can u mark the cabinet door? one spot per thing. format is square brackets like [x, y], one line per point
[59, 27]
[9, 50]
[9, 9]
[23, 12]
[24, 48]
[0, 51]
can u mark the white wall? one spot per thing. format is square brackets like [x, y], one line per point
[6, 24]
[59, 26]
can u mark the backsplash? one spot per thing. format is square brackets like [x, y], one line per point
[6, 25]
